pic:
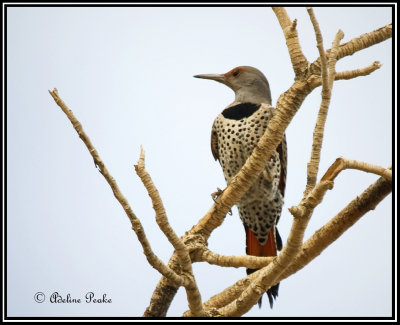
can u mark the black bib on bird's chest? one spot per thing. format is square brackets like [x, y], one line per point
[240, 111]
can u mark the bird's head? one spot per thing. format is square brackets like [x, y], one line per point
[248, 83]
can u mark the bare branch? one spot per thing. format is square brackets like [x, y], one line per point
[333, 58]
[248, 261]
[239, 298]
[161, 216]
[343, 163]
[299, 61]
[187, 278]
[269, 275]
[308, 77]
[136, 225]
[351, 74]
[364, 41]
[164, 292]
[287, 106]
[345, 75]
[346, 218]
[302, 213]
[320, 46]
[225, 297]
[328, 76]
[313, 164]
[189, 281]
[314, 246]
[355, 45]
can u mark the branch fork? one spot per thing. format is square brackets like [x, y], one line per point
[192, 247]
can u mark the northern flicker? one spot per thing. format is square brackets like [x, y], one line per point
[234, 134]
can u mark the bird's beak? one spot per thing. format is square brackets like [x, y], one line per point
[217, 77]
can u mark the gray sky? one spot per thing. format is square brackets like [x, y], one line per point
[126, 73]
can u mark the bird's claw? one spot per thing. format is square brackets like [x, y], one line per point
[216, 195]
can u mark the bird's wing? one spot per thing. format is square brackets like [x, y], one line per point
[214, 142]
[282, 151]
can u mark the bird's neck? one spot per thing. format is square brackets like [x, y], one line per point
[255, 96]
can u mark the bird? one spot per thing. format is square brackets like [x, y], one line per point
[235, 132]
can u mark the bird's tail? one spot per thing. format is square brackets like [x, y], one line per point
[270, 248]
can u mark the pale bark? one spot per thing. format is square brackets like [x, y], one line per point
[237, 299]
[187, 276]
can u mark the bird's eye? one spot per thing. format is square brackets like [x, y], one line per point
[235, 73]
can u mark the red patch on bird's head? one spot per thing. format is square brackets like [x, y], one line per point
[234, 72]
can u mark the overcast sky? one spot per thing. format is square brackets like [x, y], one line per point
[126, 73]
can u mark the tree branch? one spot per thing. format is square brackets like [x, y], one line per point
[346, 218]
[287, 105]
[239, 302]
[343, 163]
[317, 243]
[269, 275]
[364, 41]
[351, 47]
[320, 46]
[248, 261]
[345, 75]
[237, 299]
[328, 76]
[187, 276]
[303, 212]
[161, 216]
[299, 61]
[164, 292]
[153, 260]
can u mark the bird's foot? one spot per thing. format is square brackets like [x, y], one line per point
[216, 195]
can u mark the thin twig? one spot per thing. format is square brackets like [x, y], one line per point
[320, 46]
[298, 59]
[161, 216]
[268, 275]
[313, 164]
[343, 163]
[346, 218]
[153, 260]
[328, 76]
[317, 243]
[189, 281]
[357, 44]
[350, 74]
[248, 261]
[287, 105]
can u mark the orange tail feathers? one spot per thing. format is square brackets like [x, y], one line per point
[253, 247]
